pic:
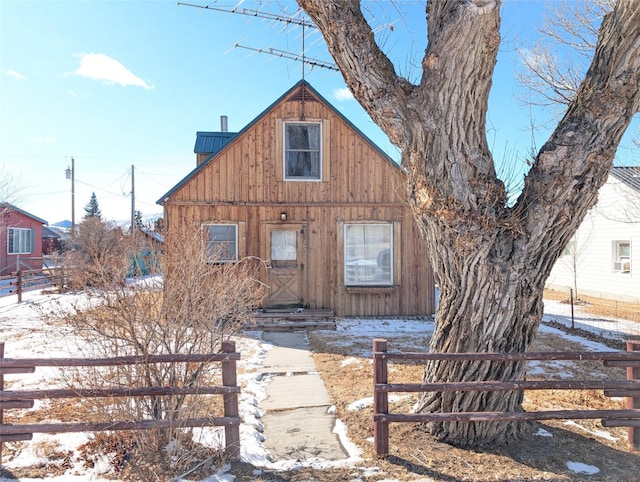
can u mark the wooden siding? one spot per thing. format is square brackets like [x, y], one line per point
[249, 169]
[244, 184]
[412, 293]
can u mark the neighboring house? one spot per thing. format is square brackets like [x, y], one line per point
[149, 245]
[301, 187]
[50, 241]
[603, 257]
[20, 239]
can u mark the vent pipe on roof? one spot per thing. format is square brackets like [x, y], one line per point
[223, 123]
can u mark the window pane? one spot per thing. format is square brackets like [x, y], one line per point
[26, 241]
[303, 136]
[624, 250]
[284, 249]
[368, 254]
[222, 242]
[302, 158]
[19, 241]
[283, 245]
[12, 243]
[303, 164]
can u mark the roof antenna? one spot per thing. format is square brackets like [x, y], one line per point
[274, 18]
[304, 89]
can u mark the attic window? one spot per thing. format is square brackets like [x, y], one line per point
[302, 151]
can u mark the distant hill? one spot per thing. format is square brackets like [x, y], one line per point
[123, 223]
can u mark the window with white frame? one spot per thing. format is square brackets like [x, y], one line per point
[222, 242]
[621, 251]
[302, 151]
[368, 254]
[20, 241]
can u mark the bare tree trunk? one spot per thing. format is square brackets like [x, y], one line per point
[490, 259]
[490, 301]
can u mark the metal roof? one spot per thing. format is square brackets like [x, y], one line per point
[630, 175]
[212, 142]
[49, 233]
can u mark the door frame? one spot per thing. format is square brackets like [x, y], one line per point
[265, 253]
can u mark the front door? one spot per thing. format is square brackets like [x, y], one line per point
[285, 259]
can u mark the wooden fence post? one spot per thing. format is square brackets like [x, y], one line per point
[380, 399]
[19, 287]
[229, 379]
[633, 374]
[1, 389]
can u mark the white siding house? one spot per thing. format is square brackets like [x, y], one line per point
[603, 258]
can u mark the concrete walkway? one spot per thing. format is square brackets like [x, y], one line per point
[297, 424]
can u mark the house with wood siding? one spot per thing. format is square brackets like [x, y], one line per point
[305, 190]
[603, 257]
[20, 239]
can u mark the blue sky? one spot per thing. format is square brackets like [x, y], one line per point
[117, 84]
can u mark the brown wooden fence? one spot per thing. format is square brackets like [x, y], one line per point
[629, 388]
[10, 399]
[19, 282]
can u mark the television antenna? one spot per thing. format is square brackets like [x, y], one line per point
[305, 24]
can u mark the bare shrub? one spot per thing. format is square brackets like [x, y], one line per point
[197, 307]
[97, 256]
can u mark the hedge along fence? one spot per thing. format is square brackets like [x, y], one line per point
[10, 399]
[629, 388]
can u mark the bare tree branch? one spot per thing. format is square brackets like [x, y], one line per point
[554, 78]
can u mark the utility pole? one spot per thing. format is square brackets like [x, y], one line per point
[71, 174]
[133, 203]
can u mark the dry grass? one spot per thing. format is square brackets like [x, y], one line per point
[599, 306]
[414, 453]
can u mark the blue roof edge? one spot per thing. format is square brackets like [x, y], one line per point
[220, 134]
[298, 84]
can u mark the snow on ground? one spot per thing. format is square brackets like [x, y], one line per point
[580, 468]
[607, 327]
[26, 336]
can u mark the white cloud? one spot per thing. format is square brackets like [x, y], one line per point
[342, 94]
[14, 74]
[49, 139]
[108, 70]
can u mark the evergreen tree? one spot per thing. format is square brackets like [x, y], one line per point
[92, 209]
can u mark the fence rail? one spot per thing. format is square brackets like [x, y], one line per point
[19, 282]
[10, 399]
[629, 388]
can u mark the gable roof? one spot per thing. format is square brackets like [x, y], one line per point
[306, 89]
[630, 175]
[23, 212]
[49, 233]
[212, 142]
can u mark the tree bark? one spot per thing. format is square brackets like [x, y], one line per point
[490, 259]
